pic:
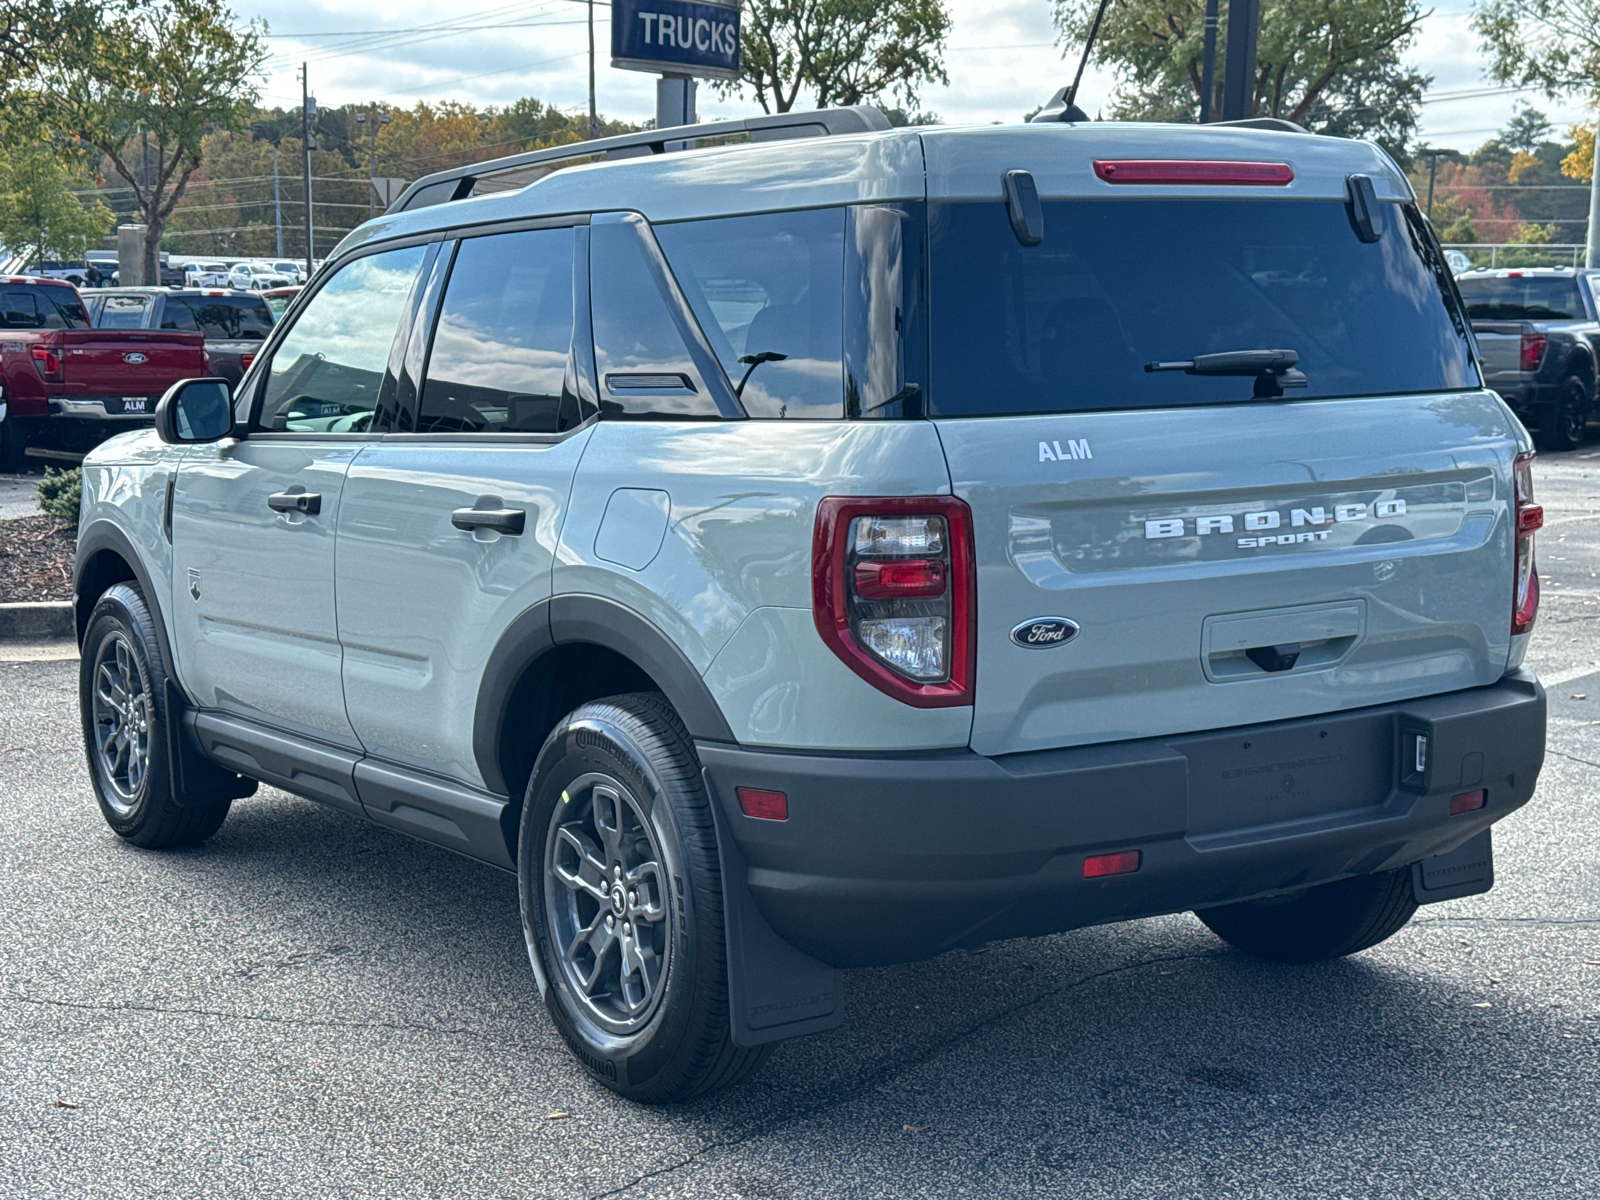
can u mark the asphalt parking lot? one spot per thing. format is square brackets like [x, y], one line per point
[307, 1006]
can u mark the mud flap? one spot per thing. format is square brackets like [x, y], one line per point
[775, 992]
[1467, 870]
[194, 776]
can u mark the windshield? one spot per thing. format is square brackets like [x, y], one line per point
[1068, 325]
[1522, 298]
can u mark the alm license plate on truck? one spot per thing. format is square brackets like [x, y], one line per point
[135, 404]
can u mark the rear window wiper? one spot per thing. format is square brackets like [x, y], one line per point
[1273, 370]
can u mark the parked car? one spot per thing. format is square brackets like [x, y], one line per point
[1457, 261]
[75, 273]
[294, 272]
[1538, 329]
[66, 384]
[256, 277]
[278, 299]
[233, 323]
[206, 275]
[817, 553]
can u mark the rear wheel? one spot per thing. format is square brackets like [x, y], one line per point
[622, 902]
[13, 447]
[122, 692]
[1564, 424]
[1319, 923]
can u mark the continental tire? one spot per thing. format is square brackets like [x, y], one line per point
[122, 692]
[1319, 923]
[621, 899]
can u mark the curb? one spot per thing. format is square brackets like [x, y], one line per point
[39, 621]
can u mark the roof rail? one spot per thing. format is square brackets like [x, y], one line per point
[1278, 123]
[458, 183]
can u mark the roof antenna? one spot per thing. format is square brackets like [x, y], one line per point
[1063, 106]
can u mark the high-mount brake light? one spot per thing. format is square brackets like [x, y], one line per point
[1533, 345]
[1194, 171]
[1529, 520]
[893, 587]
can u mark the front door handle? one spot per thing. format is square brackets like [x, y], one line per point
[309, 503]
[509, 521]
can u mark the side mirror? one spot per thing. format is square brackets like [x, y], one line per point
[195, 411]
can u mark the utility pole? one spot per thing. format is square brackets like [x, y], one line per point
[1591, 257]
[594, 124]
[1208, 69]
[379, 119]
[1433, 156]
[277, 201]
[1239, 69]
[308, 109]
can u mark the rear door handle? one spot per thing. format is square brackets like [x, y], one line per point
[309, 503]
[509, 521]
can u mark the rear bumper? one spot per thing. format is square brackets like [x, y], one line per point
[99, 408]
[891, 859]
[1528, 396]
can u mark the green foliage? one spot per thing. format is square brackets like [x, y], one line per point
[61, 493]
[1332, 66]
[841, 51]
[1553, 45]
[1526, 129]
[38, 212]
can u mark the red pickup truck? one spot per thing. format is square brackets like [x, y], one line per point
[67, 385]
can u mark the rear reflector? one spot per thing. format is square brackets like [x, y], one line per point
[1123, 863]
[762, 805]
[1194, 171]
[1467, 802]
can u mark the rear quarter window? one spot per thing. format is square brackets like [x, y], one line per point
[27, 306]
[1068, 325]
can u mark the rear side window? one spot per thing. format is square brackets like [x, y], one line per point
[23, 306]
[1522, 298]
[123, 312]
[768, 292]
[221, 318]
[1068, 325]
[326, 373]
[499, 356]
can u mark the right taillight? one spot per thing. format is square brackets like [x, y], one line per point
[1533, 345]
[1530, 518]
[893, 588]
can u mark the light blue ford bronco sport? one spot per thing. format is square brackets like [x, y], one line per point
[842, 544]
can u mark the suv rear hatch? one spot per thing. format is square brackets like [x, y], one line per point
[1224, 559]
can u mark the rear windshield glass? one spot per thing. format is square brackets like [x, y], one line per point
[1068, 325]
[23, 306]
[220, 318]
[123, 312]
[1524, 298]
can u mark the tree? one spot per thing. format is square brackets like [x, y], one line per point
[1553, 45]
[1332, 66]
[144, 87]
[1580, 163]
[842, 51]
[39, 214]
[1526, 130]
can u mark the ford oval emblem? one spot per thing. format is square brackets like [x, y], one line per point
[1040, 633]
[135, 358]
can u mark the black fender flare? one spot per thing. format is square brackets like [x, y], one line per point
[569, 619]
[103, 534]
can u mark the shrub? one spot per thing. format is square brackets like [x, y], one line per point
[61, 493]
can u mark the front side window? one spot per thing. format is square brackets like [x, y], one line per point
[768, 291]
[219, 318]
[1522, 298]
[326, 373]
[499, 357]
[1069, 324]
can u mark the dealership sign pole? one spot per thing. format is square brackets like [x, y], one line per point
[681, 40]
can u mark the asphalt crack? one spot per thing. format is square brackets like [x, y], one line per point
[306, 1022]
[850, 1091]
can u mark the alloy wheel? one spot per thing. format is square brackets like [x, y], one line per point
[122, 711]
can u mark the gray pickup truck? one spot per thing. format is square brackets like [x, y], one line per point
[1538, 330]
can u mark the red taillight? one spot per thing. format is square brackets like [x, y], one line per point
[1467, 802]
[893, 594]
[246, 359]
[1124, 862]
[1533, 345]
[1194, 171]
[48, 364]
[763, 805]
[1530, 518]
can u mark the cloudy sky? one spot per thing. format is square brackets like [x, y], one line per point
[1002, 60]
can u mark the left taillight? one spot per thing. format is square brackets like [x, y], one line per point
[1529, 520]
[894, 594]
[48, 363]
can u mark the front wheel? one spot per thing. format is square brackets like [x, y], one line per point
[1331, 920]
[1564, 424]
[621, 897]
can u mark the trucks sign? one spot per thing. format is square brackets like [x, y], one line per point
[675, 37]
